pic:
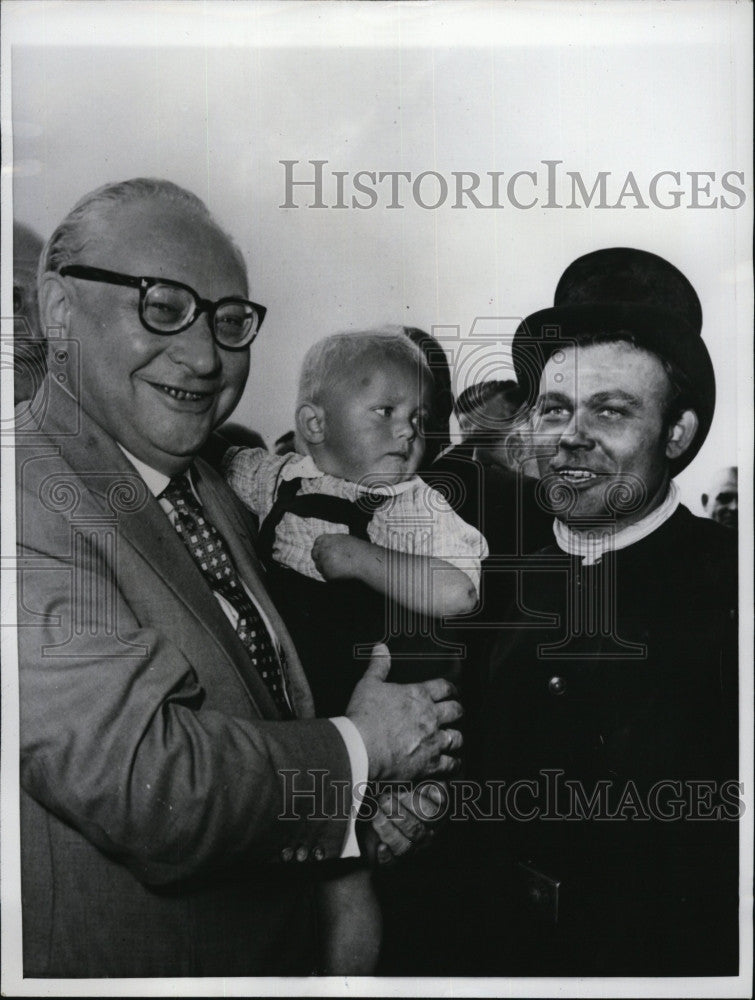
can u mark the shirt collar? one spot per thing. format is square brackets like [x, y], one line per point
[300, 467]
[156, 481]
[303, 467]
[591, 545]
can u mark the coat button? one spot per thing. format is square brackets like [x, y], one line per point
[318, 854]
[302, 853]
[287, 853]
[556, 685]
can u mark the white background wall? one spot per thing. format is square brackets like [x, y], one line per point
[213, 96]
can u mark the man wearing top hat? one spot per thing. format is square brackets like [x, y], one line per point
[610, 710]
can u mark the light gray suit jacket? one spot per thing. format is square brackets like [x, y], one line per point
[161, 830]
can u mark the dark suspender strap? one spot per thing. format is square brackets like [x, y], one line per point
[356, 515]
[286, 493]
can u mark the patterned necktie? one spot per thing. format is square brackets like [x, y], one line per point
[210, 552]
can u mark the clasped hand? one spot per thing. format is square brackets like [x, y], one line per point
[406, 819]
[408, 736]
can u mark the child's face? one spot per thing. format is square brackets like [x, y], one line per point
[372, 423]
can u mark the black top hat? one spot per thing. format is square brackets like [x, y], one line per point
[621, 292]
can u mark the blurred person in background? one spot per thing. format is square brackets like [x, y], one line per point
[437, 430]
[486, 413]
[29, 348]
[285, 444]
[721, 503]
[481, 477]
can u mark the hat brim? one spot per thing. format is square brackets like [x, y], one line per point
[663, 333]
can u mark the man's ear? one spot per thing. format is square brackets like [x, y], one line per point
[681, 434]
[54, 304]
[310, 423]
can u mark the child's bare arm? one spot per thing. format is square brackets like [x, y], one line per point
[422, 583]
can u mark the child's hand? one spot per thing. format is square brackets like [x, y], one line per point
[337, 557]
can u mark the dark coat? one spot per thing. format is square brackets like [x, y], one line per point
[623, 673]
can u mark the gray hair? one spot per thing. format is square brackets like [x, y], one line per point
[70, 237]
[328, 361]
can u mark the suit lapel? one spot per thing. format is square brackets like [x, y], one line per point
[231, 521]
[152, 535]
[99, 462]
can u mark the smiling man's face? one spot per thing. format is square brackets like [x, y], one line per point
[599, 423]
[158, 396]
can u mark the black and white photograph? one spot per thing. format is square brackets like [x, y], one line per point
[464, 290]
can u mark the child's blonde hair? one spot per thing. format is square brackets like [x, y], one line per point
[328, 362]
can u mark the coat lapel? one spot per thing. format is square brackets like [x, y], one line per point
[226, 512]
[150, 532]
[94, 457]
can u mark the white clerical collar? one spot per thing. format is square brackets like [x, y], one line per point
[591, 545]
[303, 467]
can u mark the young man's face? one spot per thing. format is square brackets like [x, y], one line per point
[159, 396]
[372, 423]
[599, 432]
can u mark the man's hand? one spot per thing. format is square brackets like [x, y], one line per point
[406, 819]
[403, 725]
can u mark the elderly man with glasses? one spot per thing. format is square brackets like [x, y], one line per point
[179, 802]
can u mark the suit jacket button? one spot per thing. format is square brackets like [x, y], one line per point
[318, 854]
[302, 853]
[557, 685]
[287, 853]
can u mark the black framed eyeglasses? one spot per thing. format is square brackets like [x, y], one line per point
[167, 307]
